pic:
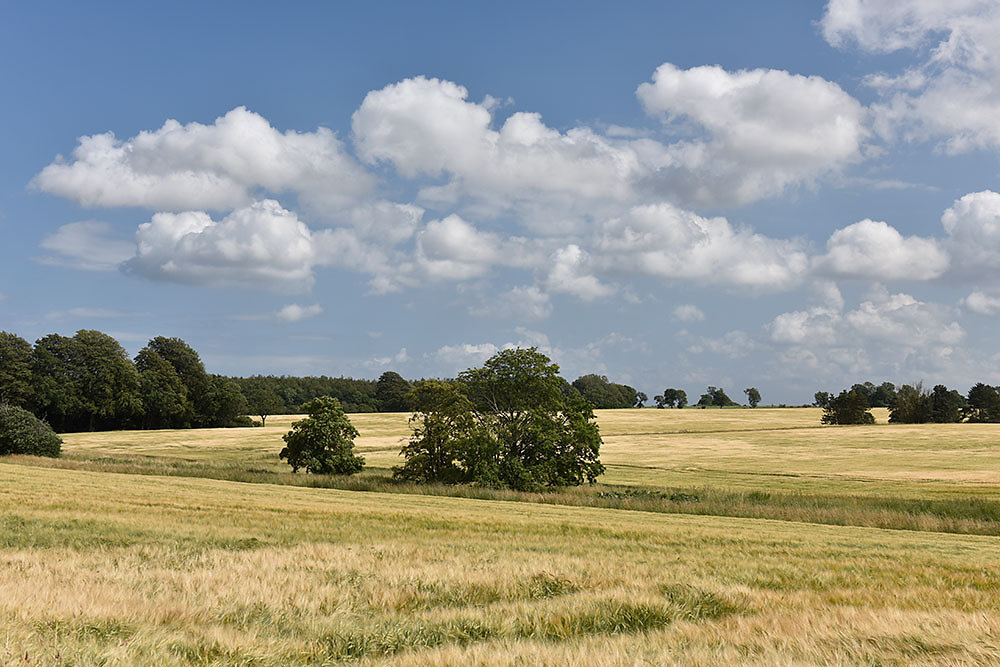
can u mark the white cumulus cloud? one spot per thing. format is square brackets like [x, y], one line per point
[875, 250]
[688, 313]
[208, 167]
[982, 303]
[261, 245]
[764, 130]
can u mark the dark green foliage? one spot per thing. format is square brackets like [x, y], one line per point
[355, 395]
[508, 424]
[23, 433]
[715, 396]
[262, 400]
[671, 398]
[881, 396]
[983, 403]
[323, 442]
[912, 405]
[849, 407]
[753, 396]
[821, 399]
[391, 391]
[225, 404]
[15, 369]
[164, 396]
[604, 394]
[444, 428]
[946, 405]
[640, 399]
[191, 372]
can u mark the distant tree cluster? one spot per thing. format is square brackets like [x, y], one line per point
[510, 423]
[87, 382]
[911, 404]
[671, 398]
[715, 397]
[604, 394]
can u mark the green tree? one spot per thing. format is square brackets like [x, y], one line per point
[23, 433]
[262, 400]
[640, 400]
[715, 396]
[848, 407]
[946, 405]
[191, 371]
[15, 369]
[323, 442]
[912, 405]
[671, 398]
[444, 428]
[532, 435]
[604, 394]
[753, 396]
[55, 380]
[225, 402]
[984, 403]
[392, 390]
[108, 380]
[821, 399]
[164, 396]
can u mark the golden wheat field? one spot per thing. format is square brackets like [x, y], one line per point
[125, 552]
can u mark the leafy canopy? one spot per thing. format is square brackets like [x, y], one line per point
[507, 424]
[323, 442]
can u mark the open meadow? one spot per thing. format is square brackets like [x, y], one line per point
[716, 536]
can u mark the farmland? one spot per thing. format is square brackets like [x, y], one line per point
[152, 547]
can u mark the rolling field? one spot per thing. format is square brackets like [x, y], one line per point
[163, 566]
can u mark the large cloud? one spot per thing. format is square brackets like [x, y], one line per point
[877, 251]
[764, 130]
[953, 94]
[214, 167]
[664, 241]
[891, 319]
[973, 227]
[427, 127]
[260, 245]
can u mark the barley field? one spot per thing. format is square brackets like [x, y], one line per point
[716, 537]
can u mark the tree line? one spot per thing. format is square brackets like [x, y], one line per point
[87, 382]
[911, 404]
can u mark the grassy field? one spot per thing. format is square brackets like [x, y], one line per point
[163, 566]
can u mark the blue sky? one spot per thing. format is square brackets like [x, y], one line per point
[789, 195]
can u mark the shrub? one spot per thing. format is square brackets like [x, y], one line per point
[23, 433]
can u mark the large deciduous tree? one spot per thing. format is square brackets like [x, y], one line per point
[323, 442]
[753, 396]
[191, 372]
[506, 424]
[164, 396]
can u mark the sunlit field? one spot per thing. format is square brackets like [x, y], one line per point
[704, 544]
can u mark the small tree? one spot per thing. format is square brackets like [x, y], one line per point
[849, 407]
[323, 442]
[23, 433]
[262, 400]
[753, 396]
[640, 399]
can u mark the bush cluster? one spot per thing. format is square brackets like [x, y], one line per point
[23, 433]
